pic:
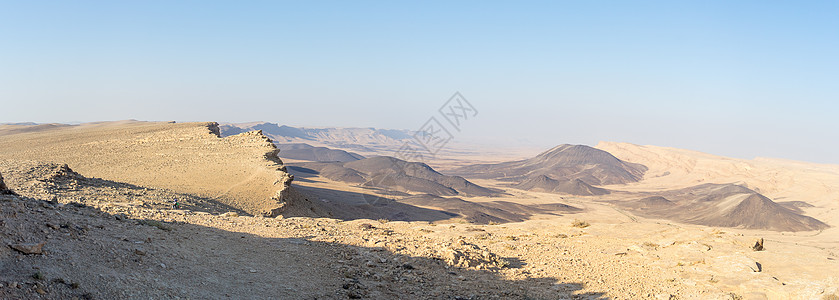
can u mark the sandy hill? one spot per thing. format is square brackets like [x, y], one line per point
[3, 188]
[302, 151]
[593, 166]
[814, 187]
[543, 183]
[241, 170]
[396, 174]
[722, 205]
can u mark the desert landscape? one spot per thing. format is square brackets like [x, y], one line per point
[87, 214]
[454, 150]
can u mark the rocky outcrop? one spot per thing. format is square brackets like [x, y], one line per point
[466, 255]
[241, 171]
[282, 198]
[3, 188]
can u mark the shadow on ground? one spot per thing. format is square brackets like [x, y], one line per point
[347, 205]
[100, 257]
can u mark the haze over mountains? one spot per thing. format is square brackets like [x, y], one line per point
[368, 140]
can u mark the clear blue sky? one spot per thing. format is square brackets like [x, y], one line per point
[736, 78]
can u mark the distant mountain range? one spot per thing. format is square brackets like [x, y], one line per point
[336, 137]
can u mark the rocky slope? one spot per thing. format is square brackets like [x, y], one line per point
[780, 180]
[187, 158]
[96, 239]
[543, 183]
[722, 205]
[565, 169]
[3, 188]
[67, 236]
[396, 174]
[593, 166]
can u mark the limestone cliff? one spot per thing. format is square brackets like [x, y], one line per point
[242, 171]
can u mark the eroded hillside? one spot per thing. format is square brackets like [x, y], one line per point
[240, 170]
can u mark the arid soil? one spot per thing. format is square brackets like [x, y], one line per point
[108, 240]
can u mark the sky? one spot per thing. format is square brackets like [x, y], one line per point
[734, 78]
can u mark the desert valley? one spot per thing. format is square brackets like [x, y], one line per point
[419, 150]
[266, 211]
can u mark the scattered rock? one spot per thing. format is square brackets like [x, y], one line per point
[230, 214]
[758, 245]
[29, 248]
[465, 255]
[3, 188]
[38, 276]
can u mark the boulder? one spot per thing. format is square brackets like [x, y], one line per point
[29, 248]
[758, 246]
[3, 188]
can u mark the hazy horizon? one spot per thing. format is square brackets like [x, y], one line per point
[746, 79]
